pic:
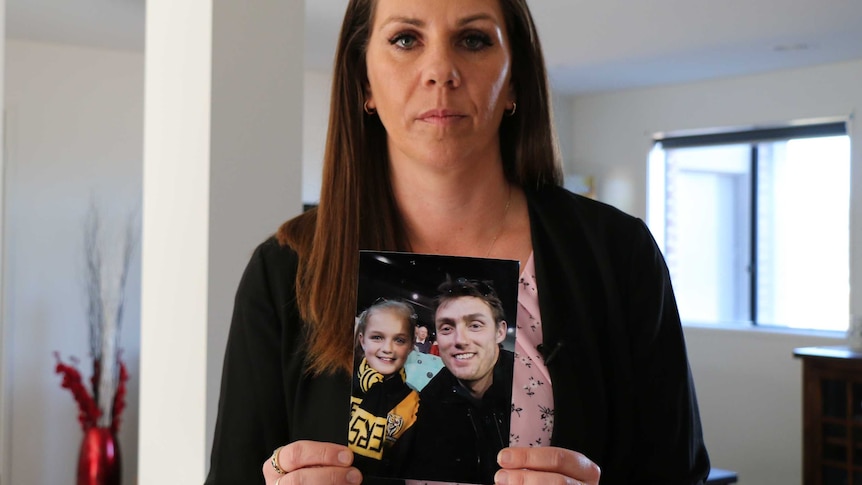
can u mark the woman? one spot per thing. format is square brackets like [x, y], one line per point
[440, 141]
[382, 406]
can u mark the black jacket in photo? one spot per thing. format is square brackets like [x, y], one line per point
[457, 437]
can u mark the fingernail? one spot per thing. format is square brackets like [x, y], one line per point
[344, 457]
[501, 478]
[504, 457]
[353, 476]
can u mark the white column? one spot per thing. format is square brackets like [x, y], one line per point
[222, 160]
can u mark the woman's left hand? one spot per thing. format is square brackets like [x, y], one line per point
[545, 466]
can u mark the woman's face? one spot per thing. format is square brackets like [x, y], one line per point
[386, 341]
[439, 77]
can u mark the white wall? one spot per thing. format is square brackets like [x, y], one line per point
[75, 123]
[315, 119]
[747, 381]
[5, 349]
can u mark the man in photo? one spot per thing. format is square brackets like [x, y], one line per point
[464, 411]
[422, 343]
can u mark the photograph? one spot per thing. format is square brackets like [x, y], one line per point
[431, 395]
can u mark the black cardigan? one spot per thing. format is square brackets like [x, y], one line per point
[457, 436]
[623, 392]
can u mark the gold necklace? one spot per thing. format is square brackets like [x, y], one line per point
[502, 221]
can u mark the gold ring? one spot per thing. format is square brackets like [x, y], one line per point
[274, 462]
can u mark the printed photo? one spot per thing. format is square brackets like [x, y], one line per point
[434, 352]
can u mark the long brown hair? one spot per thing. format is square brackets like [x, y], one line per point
[357, 208]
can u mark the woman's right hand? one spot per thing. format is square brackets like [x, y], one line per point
[312, 462]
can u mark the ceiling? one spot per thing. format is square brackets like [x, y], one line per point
[590, 45]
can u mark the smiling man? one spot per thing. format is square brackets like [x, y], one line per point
[464, 411]
[470, 329]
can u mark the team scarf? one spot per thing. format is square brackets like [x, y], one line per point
[382, 409]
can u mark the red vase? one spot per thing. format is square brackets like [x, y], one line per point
[99, 460]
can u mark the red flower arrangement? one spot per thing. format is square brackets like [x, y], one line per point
[99, 411]
[88, 411]
[107, 265]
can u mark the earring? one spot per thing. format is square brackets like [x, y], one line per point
[514, 108]
[369, 111]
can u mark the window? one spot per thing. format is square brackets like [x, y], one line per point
[755, 225]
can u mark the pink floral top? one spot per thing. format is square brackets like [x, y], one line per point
[532, 396]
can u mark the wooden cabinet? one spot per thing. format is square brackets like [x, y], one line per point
[832, 415]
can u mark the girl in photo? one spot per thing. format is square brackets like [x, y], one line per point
[383, 407]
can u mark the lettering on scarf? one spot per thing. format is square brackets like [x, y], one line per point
[367, 433]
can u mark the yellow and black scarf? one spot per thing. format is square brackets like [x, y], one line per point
[382, 408]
